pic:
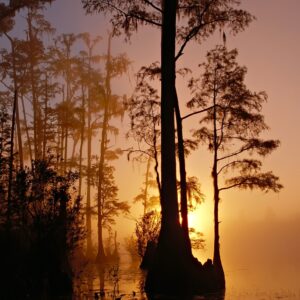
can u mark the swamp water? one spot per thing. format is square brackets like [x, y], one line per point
[125, 282]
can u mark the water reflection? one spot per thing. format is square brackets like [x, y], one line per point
[121, 282]
[125, 281]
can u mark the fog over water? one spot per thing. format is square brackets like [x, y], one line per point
[261, 258]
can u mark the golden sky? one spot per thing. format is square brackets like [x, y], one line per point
[270, 49]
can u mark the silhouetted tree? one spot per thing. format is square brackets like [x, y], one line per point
[144, 112]
[65, 63]
[109, 207]
[46, 226]
[114, 66]
[5, 152]
[8, 10]
[148, 199]
[197, 22]
[15, 88]
[90, 79]
[147, 231]
[231, 129]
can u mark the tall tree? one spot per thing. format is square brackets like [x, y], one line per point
[198, 21]
[90, 78]
[108, 208]
[37, 26]
[114, 66]
[231, 128]
[15, 88]
[5, 128]
[65, 64]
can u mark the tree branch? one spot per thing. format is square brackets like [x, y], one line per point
[153, 5]
[232, 186]
[196, 112]
[194, 31]
[227, 165]
[235, 153]
[130, 14]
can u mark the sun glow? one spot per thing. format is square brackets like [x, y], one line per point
[197, 219]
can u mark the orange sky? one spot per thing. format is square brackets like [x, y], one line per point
[270, 49]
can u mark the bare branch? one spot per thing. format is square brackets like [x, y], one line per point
[193, 32]
[197, 112]
[241, 150]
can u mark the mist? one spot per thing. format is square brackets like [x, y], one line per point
[262, 253]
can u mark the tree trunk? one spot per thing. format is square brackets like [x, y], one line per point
[61, 148]
[75, 142]
[35, 103]
[183, 186]
[145, 204]
[174, 270]
[156, 164]
[81, 139]
[19, 132]
[217, 258]
[88, 193]
[169, 202]
[11, 163]
[100, 254]
[66, 145]
[100, 200]
[27, 130]
[169, 272]
[15, 81]
[45, 118]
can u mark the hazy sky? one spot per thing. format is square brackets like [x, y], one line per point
[270, 49]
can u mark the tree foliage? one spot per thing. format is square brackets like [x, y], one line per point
[236, 113]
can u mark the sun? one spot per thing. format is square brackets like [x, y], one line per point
[200, 218]
[193, 218]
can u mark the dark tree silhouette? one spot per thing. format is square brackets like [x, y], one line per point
[143, 108]
[46, 226]
[90, 79]
[146, 196]
[5, 129]
[8, 11]
[200, 20]
[231, 127]
[114, 66]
